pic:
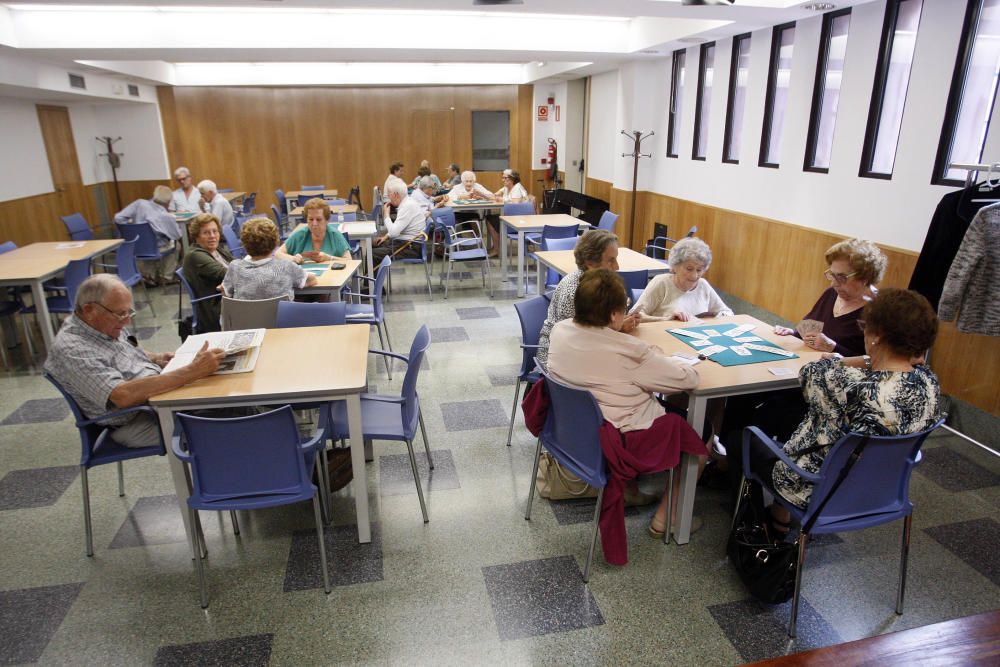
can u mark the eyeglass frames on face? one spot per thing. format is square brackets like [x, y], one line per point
[839, 278]
[129, 314]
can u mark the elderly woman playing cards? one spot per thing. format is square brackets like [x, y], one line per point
[682, 294]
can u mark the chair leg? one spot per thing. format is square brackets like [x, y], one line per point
[427, 275]
[88, 528]
[385, 328]
[199, 562]
[322, 544]
[381, 342]
[416, 480]
[803, 538]
[235, 521]
[513, 411]
[423, 434]
[904, 554]
[121, 480]
[739, 499]
[668, 526]
[447, 280]
[324, 485]
[149, 301]
[593, 537]
[533, 481]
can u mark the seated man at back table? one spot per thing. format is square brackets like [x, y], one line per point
[216, 204]
[94, 360]
[164, 226]
[409, 224]
[423, 194]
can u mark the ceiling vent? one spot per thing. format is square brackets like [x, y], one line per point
[76, 81]
[133, 90]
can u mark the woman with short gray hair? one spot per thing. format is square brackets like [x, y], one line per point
[682, 294]
[186, 198]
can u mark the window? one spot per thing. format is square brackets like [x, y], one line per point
[702, 107]
[676, 100]
[892, 78]
[779, 74]
[826, 90]
[490, 140]
[739, 74]
[973, 92]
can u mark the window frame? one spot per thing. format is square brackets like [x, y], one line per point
[772, 83]
[699, 99]
[878, 89]
[673, 124]
[819, 89]
[734, 67]
[973, 11]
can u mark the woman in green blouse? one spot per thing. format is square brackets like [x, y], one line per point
[318, 241]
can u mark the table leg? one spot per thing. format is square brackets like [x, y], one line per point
[503, 250]
[358, 466]
[42, 313]
[689, 472]
[539, 278]
[177, 473]
[368, 257]
[520, 262]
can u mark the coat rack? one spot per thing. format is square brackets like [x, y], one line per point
[637, 137]
[114, 159]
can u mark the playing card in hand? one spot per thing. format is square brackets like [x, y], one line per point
[807, 327]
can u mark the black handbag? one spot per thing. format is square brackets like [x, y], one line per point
[768, 566]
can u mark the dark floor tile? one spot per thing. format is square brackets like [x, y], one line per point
[502, 376]
[248, 651]
[396, 476]
[478, 313]
[953, 472]
[760, 631]
[38, 487]
[398, 306]
[471, 415]
[347, 561]
[145, 333]
[581, 510]
[28, 619]
[539, 597]
[975, 542]
[152, 520]
[37, 411]
[448, 334]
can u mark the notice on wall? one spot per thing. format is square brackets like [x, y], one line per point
[543, 112]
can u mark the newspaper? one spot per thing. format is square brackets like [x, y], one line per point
[242, 349]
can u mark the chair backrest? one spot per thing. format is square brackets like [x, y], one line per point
[146, 248]
[245, 456]
[519, 208]
[249, 203]
[531, 313]
[876, 490]
[223, 190]
[571, 431]
[125, 264]
[191, 296]
[336, 202]
[302, 199]
[233, 241]
[7, 246]
[77, 227]
[691, 232]
[607, 221]
[349, 217]
[408, 392]
[76, 272]
[279, 194]
[552, 276]
[89, 433]
[444, 216]
[313, 187]
[635, 279]
[380, 276]
[249, 314]
[295, 314]
[558, 232]
[277, 215]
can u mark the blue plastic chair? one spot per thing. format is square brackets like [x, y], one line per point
[279, 194]
[128, 270]
[98, 448]
[521, 208]
[250, 203]
[531, 313]
[248, 463]
[281, 221]
[659, 249]
[372, 312]
[194, 299]
[607, 221]
[302, 199]
[549, 233]
[147, 248]
[875, 491]
[552, 276]
[336, 202]
[463, 246]
[76, 272]
[426, 257]
[313, 187]
[635, 282]
[296, 314]
[77, 227]
[386, 417]
[233, 241]
[224, 190]
[570, 435]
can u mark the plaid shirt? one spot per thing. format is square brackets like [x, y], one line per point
[90, 364]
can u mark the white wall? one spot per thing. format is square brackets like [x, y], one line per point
[24, 168]
[551, 128]
[895, 212]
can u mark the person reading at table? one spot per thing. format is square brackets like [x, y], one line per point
[164, 226]
[399, 233]
[205, 266]
[262, 274]
[186, 198]
[319, 241]
[682, 294]
[103, 368]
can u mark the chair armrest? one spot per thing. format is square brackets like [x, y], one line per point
[385, 399]
[117, 413]
[530, 347]
[175, 445]
[314, 442]
[394, 355]
[751, 432]
[371, 280]
[207, 297]
[359, 295]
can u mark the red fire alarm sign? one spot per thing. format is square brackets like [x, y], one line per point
[543, 112]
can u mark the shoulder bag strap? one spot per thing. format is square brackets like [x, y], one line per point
[855, 455]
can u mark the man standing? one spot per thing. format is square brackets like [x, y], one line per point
[164, 226]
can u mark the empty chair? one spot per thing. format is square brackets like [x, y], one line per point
[659, 249]
[336, 202]
[552, 276]
[248, 463]
[250, 203]
[372, 312]
[77, 227]
[386, 417]
[249, 314]
[531, 314]
[521, 208]
[607, 221]
[302, 199]
[570, 435]
[128, 270]
[232, 238]
[464, 246]
[279, 194]
[98, 448]
[194, 300]
[313, 187]
[549, 232]
[76, 272]
[635, 282]
[280, 220]
[875, 491]
[295, 314]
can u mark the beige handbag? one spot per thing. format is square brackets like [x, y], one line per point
[557, 483]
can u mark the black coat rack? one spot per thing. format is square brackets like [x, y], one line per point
[115, 160]
[637, 137]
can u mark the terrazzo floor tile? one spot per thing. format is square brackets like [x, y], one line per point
[249, 651]
[976, 542]
[396, 475]
[37, 487]
[478, 313]
[28, 619]
[398, 306]
[953, 472]
[539, 597]
[759, 631]
[348, 563]
[38, 410]
[448, 334]
[472, 415]
[503, 376]
[152, 520]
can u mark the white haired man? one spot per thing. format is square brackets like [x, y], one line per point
[154, 212]
[409, 224]
[423, 194]
[186, 198]
[215, 203]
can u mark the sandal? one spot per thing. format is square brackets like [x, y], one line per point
[696, 524]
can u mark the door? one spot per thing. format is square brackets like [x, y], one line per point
[71, 195]
[432, 138]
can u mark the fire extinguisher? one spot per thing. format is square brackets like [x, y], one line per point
[553, 172]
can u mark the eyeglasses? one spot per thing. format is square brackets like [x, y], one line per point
[121, 317]
[839, 278]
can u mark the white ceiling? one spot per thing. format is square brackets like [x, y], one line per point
[303, 42]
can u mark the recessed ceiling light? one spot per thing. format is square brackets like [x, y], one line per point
[819, 6]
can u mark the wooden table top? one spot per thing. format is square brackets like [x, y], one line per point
[230, 196]
[628, 260]
[294, 194]
[334, 210]
[474, 205]
[537, 222]
[334, 279]
[721, 379]
[39, 260]
[299, 364]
